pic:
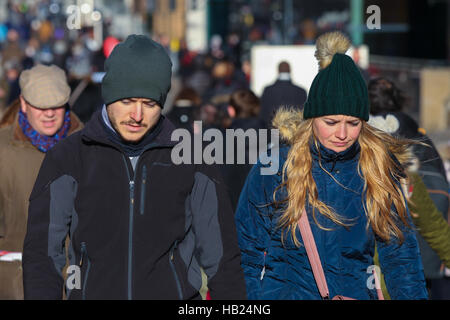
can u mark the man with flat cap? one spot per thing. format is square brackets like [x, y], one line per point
[41, 120]
[140, 227]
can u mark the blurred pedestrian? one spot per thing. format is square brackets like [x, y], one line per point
[226, 79]
[200, 78]
[341, 176]
[4, 93]
[12, 71]
[30, 128]
[178, 218]
[86, 95]
[214, 117]
[186, 109]
[12, 50]
[430, 223]
[387, 104]
[243, 108]
[281, 93]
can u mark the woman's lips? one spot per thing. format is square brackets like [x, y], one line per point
[340, 144]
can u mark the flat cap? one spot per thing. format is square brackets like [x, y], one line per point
[44, 86]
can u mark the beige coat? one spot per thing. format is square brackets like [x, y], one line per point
[19, 166]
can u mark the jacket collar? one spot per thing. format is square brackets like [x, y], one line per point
[329, 158]
[284, 76]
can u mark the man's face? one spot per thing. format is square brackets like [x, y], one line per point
[133, 117]
[45, 121]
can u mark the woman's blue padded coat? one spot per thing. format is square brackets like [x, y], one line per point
[274, 270]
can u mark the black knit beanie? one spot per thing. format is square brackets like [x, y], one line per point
[137, 68]
[339, 87]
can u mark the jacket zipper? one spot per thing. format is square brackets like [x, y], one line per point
[175, 275]
[263, 271]
[84, 255]
[130, 240]
[144, 178]
[130, 228]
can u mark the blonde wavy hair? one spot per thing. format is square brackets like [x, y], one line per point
[381, 174]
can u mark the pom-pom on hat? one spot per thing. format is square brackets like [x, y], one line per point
[339, 87]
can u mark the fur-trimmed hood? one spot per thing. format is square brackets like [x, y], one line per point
[287, 121]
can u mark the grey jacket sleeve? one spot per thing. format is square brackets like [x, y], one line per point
[49, 218]
[216, 246]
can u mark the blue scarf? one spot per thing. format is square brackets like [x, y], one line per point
[42, 142]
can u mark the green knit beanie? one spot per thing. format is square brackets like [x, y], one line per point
[339, 87]
[137, 68]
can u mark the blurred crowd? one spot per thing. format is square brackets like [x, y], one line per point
[32, 35]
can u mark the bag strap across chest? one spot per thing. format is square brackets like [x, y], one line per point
[314, 259]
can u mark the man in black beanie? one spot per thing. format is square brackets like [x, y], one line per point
[139, 226]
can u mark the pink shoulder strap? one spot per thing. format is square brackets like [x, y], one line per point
[314, 259]
[313, 255]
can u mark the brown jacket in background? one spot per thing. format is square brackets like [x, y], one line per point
[19, 165]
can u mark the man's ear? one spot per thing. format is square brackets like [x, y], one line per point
[23, 104]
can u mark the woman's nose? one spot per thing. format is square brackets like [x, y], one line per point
[341, 132]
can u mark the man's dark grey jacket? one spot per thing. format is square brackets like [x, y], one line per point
[134, 234]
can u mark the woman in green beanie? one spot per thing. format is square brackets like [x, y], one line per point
[347, 176]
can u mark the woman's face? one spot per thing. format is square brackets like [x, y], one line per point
[337, 132]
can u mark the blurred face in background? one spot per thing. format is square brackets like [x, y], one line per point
[45, 121]
[337, 132]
